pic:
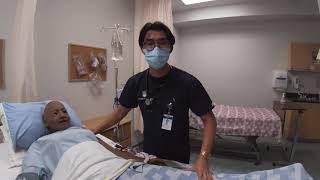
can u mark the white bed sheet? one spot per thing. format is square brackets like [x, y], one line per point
[6, 172]
[89, 160]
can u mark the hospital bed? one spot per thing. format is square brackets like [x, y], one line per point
[144, 171]
[247, 122]
[147, 172]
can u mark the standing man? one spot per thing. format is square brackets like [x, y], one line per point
[165, 94]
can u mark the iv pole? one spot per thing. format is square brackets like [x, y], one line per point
[119, 46]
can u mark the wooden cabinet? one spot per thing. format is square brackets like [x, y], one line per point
[302, 56]
[122, 135]
[310, 124]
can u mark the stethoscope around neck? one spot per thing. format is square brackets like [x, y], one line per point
[148, 101]
[145, 95]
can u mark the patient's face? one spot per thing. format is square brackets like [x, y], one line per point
[56, 117]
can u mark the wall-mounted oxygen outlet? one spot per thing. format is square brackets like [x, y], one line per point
[295, 82]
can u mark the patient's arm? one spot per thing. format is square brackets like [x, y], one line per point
[123, 154]
[128, 155]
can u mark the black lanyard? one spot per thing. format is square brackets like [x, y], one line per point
[147, 77]
[149, 101]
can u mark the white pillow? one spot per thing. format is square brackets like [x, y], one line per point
[15, 158]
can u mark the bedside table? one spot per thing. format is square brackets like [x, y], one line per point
[124, 130]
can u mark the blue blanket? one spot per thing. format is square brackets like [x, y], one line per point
[44, 154]
[146, 172]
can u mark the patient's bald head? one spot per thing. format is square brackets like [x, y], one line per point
[56, 117]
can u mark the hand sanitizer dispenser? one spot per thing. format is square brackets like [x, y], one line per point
[283, 98]
[280, 79]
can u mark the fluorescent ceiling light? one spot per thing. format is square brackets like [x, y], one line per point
[188, 2]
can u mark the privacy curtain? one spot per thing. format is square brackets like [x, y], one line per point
[22, 53]
[147, 11]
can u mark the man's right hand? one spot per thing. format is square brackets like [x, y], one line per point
[112, 119]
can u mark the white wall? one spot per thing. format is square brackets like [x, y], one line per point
[245, 10]
[7, 13]
[235, 61]
[60, 22]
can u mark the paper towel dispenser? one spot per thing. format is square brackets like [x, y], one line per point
[280, 79]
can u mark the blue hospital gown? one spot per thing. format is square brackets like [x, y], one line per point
[44, 154]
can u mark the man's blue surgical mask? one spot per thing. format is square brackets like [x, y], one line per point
[157, 58]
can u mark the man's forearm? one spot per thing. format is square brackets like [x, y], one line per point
[209, 132]
[109, 121]
[112, 119]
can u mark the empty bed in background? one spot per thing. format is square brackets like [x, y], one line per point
[249, 122]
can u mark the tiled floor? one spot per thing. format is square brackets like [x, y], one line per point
[307, 154]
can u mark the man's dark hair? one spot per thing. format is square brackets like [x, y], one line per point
[156, 26]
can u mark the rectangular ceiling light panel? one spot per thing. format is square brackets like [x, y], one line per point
[188, 2]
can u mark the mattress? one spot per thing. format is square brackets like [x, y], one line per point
[243, 121]
[6, 172]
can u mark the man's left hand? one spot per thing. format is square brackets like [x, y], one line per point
[202, 169]
[84, 126]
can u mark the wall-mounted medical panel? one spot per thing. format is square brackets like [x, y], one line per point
[87, 63]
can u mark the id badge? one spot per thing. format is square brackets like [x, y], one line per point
[167, 122]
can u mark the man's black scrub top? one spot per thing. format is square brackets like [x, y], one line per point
[183, 91]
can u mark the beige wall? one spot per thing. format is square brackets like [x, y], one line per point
[7, 12]
[242, 9]
[59, 22]
[235, 61]
[233, 48]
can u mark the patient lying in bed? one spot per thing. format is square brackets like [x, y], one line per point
[44, 155]
[74, 153]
